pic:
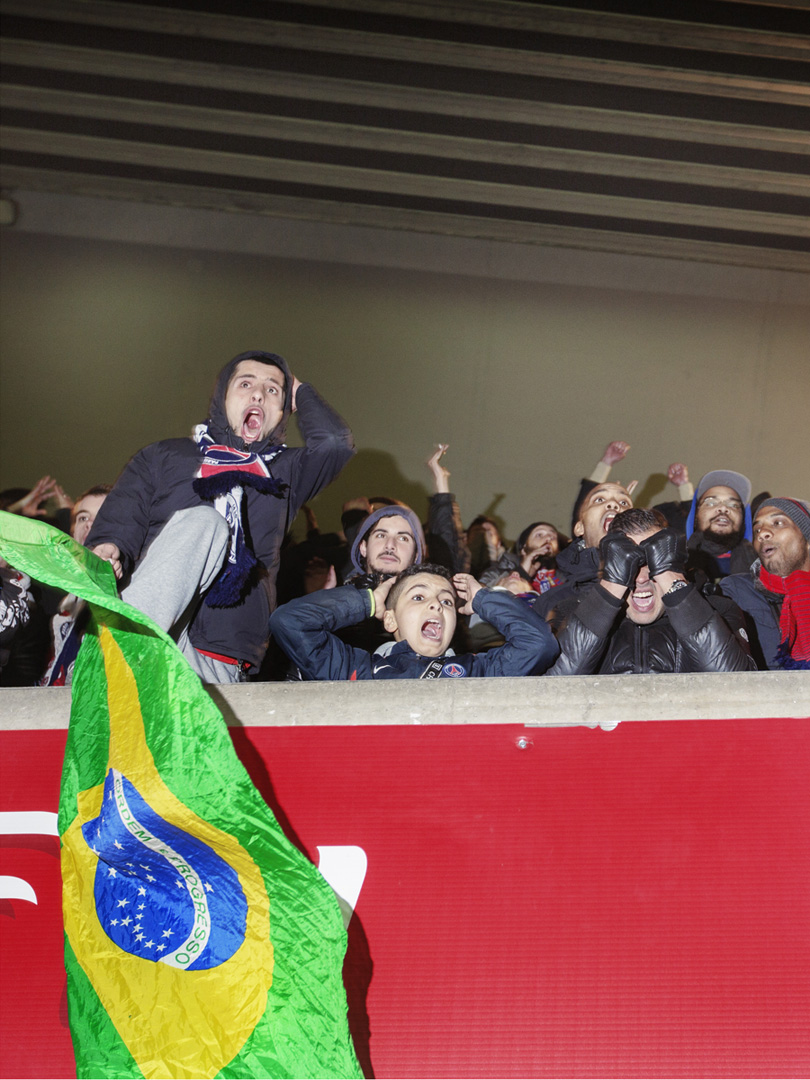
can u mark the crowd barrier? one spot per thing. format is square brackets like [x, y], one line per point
[604, 876]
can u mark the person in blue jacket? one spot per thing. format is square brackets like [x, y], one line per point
[419, 607]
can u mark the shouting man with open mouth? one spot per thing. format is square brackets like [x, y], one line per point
[193, 527]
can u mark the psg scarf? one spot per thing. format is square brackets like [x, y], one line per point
[222, 478]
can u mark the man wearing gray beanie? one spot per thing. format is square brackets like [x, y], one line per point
[775, 596]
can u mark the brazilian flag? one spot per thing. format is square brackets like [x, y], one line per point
[199, 941]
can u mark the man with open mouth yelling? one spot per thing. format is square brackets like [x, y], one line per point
[193, 527]
[419, 607]
[644, 616]
[579, 563]
[254, 402]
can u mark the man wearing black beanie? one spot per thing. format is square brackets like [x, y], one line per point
[775, 596]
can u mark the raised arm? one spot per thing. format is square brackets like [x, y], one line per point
[678, 474]
[305, 630]
[328, 446]
[445, 537]
[614, 453]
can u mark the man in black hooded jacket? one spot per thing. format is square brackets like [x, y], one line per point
[193, 527]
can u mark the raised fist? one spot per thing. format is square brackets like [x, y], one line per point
[678, 474]
[615, 451]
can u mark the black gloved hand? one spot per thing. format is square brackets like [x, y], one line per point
[622, 559]
[665, 551]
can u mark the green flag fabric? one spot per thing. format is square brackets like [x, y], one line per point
[199, 941]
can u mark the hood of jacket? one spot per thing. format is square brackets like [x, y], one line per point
[387, 511]
[218, 425]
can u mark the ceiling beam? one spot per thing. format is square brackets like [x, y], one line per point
[457, 225]
[260, 81]
[379, 181]
[374, 139]
[413, 50]
[493, 14]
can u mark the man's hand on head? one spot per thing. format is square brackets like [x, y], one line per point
[381, 595]
[294, 394]
[615, 452]
[622, 560]
[109, 553]
[466, 586]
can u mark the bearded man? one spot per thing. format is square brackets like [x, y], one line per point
[718, 527]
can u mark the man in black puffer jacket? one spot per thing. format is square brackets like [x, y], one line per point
[193, 527]
[644, 616]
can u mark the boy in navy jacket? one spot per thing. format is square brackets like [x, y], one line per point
[419, 607]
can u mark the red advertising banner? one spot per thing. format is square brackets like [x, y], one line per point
[559, 902]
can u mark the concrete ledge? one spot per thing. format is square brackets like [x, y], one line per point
[581, 700]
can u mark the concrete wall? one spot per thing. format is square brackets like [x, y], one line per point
[527, 360]
[593, 701]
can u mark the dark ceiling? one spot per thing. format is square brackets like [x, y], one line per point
[663, 127]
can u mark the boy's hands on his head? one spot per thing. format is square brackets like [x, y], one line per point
[441, 475]
[381, 595]
[309, 514]
[466, 586]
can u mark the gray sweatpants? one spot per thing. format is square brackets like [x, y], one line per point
[180, 565]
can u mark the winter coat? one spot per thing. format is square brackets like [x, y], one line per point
[579, 566]
[761, 609]
[305, 629]
[693, 634]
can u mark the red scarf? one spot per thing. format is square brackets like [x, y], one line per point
[794, 623]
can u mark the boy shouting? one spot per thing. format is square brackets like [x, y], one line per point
[420, 608]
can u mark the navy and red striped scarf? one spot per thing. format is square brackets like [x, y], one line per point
[223, 475]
